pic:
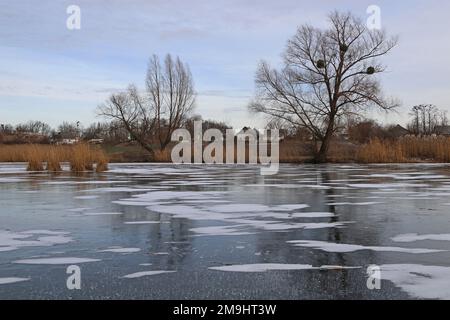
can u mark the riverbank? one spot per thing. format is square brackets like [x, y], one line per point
[403, 150]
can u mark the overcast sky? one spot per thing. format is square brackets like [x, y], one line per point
[53, 74]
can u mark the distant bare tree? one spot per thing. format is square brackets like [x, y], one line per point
[327, 74]
[68, 130]
[169, 99]
[426, 118]
[36, 127]
[206, 124]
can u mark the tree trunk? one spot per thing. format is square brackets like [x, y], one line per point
[139, 140]
[321, 156]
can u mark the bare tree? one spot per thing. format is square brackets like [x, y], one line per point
[168, 100]
[68, 130]
[130, 109]
[327, 74]
[426, 118]
[37, 127]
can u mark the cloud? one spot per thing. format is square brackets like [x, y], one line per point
[221, 40]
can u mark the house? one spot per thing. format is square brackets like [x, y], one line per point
[398, 131]
[68, 141]
[246, 132]
[443, 131]
[96, 141]
[264, 136]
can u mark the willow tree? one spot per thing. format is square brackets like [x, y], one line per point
[151, 117]
[326, 75]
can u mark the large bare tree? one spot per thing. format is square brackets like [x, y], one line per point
[154, 116]
[326, 74]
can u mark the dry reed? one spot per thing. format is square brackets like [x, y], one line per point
[81, 157]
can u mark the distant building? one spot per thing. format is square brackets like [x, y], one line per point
[68, 141]
[246, 132]
[96, 141]
[443, 131]
[398, 131]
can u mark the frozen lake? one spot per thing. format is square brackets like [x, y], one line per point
[155, 231]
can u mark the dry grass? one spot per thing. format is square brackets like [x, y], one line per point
[163, 155]
[410, 149]
[35, 158]
[54, 159]
[81, 157]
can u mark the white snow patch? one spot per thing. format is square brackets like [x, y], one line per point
[121, 250]
[56, 261]
[145, 222]
[290, 207]
[146, 273]
[10, 240]
[412, 237]
[12, 280]
[353, 203]
[12, 180]
[86, 197]
[419, 281]
[387, 185]
[120, 189]
[345, 248]
[312, 215]
[264, 267]
[102, 213]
